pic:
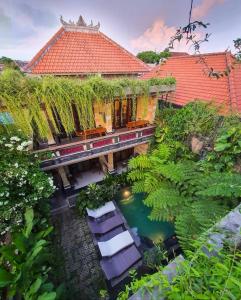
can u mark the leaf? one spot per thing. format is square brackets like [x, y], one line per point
[29, 221]
[34, 288]
[47, 296]
[221, 147]
[5, 277]
[20, 241]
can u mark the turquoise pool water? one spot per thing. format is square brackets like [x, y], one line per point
[136, 214]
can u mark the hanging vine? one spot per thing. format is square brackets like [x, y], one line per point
[32, 100]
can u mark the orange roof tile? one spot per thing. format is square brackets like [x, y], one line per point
[193, 81]
[74, 52]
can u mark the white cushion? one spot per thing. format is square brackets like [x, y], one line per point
[99, 212]
[117, 243]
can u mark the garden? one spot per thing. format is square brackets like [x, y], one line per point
[190, 178]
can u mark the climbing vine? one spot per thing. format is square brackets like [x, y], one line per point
[40, 102]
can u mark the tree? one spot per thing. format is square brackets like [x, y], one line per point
[9, 63]
[149, 57]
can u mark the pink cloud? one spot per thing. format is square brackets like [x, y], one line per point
[157, 37]
[204, 7]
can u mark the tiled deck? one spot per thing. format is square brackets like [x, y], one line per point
[83, 275]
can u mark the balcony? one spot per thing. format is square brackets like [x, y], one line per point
[75, 152]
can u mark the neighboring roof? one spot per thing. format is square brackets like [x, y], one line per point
[193, 81]
[178, 53]
[21, 64]
[82, 49]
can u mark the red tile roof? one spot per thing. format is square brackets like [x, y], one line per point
[74, 52]
[193, 81]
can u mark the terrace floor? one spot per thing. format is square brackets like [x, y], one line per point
[83, 276]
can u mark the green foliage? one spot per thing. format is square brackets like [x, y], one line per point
[196, 118]
[22, 183]
[227, 148]
[199, 277]
[30, 99]
[8, 63]
[96, 195]
[24, 265]
[237, 46]
[154, 257]
[92, 197]
[151, 57]
[179, 186]
[178, 190]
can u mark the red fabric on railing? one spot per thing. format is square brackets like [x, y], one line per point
[127, 136]
[102, 143]
[148, 131]
[71, 150]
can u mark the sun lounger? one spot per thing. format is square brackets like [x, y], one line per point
[109, 235]
[115, 244]
[106, 225]
[120, 262]
[99, 212]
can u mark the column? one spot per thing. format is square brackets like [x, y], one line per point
[64, 178]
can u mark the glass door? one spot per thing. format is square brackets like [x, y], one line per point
[122, 113]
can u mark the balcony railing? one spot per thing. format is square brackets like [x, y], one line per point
[63, 155]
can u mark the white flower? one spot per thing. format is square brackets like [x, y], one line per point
[16, 165]
[20, 148]
[15, 138]
[9, 145]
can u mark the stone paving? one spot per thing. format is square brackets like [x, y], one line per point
[83, 275]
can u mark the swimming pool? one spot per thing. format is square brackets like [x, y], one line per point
[136, 215]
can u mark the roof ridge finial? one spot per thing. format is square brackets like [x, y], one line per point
[80, 25]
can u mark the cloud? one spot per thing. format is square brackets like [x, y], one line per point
[204, 7]
[36, 16]
[24, 29]
[157, 37]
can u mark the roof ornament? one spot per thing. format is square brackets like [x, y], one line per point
[80, 25]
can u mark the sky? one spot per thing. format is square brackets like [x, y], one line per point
[138, 25]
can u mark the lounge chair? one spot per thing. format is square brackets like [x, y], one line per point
[117, 243]
[109, 235]
[106, 225]
[120, 262]
[99, 212]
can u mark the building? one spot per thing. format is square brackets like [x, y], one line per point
[122, 128]
[194, 80]
[79, 49]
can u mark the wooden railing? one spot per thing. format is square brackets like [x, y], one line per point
[83, 150]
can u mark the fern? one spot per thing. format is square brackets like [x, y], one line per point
[195, 219]
[179, 172]
[141, 162]
[165, 202]
[220, 185]
[163, 152]
[138, 187]
[135, 175]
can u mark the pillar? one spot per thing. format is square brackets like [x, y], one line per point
[141, 149]
[64, 178]
[111, 162]
[103, 164]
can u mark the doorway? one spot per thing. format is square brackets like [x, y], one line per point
[122, 113]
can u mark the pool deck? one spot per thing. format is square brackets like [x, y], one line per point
[83, 275]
